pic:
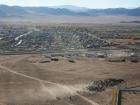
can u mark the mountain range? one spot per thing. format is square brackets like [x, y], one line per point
[7, 11]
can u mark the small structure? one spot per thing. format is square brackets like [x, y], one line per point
[117, 94]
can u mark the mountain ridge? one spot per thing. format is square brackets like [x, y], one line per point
[69, 10]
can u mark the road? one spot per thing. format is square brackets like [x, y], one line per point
[20, 36]
[25, 34]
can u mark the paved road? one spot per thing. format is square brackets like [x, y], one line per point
[25, 34]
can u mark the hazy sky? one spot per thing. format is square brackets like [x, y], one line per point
[82, 3]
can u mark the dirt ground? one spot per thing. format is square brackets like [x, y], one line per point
[134, 97]
[26, 80]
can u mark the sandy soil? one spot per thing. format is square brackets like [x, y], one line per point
[24, 80]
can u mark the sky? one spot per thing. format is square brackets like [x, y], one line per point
[81, 3]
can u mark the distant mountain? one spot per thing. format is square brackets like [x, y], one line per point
[65, 10]
[71, 8]
[11, 10]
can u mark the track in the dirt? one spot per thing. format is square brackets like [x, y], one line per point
[44, 81]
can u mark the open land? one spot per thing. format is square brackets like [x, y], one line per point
[61, 64]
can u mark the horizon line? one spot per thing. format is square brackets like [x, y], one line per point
[70, 5]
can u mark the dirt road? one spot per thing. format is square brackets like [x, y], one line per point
[24, 79]
[44, 81]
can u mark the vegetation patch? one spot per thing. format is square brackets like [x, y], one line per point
[54, 59]
[71, 60]
[46, 61]
[101, 85]
[119, 59]
[134, 60]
